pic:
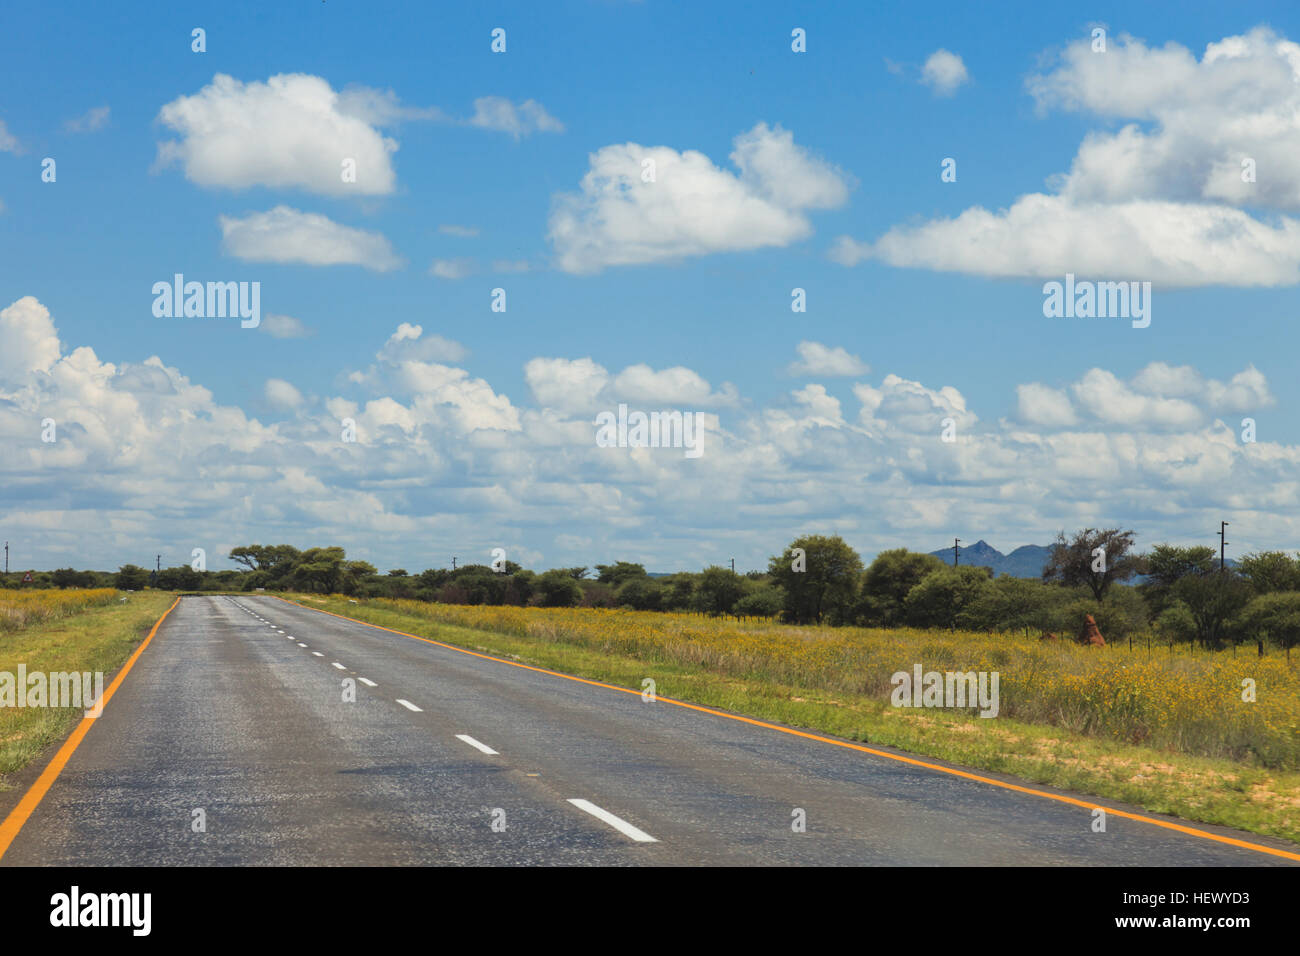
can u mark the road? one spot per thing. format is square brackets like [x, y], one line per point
[237, 709]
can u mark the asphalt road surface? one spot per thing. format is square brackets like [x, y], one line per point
[237, 708]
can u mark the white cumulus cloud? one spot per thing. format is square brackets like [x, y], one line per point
[409, 343]
[291, 131]
[452, 268]
[1160, 397]
[692, 207]
[1193, 124]
[1161, 199]
[1040, 404]
[28, 341]
[284, 326]
[282, 394]
[817, 359]
[902, 404]
[1167, 243]
[581, 385]
[284, 234]
[944, 72]
[146, 458]
[498, 113]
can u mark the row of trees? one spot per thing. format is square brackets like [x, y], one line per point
[1181, 593]
[623, 584]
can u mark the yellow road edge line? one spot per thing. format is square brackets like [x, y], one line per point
[1192, 831]
[36, 792]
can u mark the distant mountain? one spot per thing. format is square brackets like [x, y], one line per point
[1027, 561]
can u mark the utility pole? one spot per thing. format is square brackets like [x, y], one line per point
[158, 566]
[6, 557]
[733, 565]
[956, 552]
[453, 562]
[1222, 542]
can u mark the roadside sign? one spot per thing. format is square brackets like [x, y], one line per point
[27, 578]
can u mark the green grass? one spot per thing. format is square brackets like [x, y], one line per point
[1196, 788]
[94, 639]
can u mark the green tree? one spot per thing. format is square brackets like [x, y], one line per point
[131, 578]
[1166, 565]
[182, 578]
[717, 590]
[595, 594]
[519, 587]
[1123, 614]
[358, 577]
[1271, 571]
[1010, 604]
[558, 588]
[254, 580]
[1175, 623]
[678, 591]
[72, 578]
[888, 580]
[479, 584]
[1214, 600]
[766, 600]
[319, 570]
[640, 593]
[432, 579]
[827, 584]
[1076, 561]
[615, 574]
[225, 580]
[452, 593]
[943, 597]
[1275, 616]
[248, 556]
[278, 560]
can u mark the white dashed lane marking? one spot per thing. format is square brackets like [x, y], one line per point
[408, 705]
[477, 745]
[618, 823]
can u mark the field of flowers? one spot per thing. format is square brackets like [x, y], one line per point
[19, 608]
[1186, 701]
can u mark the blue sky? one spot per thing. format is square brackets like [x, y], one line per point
[496, 456]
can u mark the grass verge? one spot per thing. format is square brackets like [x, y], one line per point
[95, 638]
[1195, 788]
